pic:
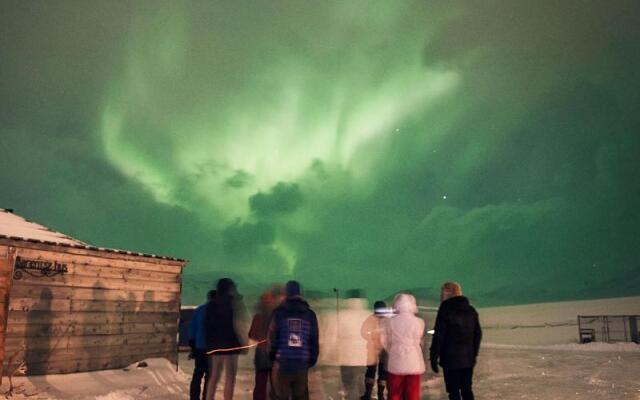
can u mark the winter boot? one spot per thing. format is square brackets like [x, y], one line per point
[368, 388]
[381, 386]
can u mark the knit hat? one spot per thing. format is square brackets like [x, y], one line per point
[292, 289]
[225, 286]
[379, 307]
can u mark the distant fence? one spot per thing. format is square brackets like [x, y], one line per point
[608, 328]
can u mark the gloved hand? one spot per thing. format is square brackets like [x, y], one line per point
[192, 354]
[434, 365]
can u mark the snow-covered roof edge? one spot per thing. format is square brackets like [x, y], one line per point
[67, 241]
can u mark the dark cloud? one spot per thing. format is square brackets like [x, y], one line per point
[282, 198]
[243, 237]
[238, 180]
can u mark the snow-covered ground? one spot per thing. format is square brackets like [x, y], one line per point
[501, 374]
[540, 359]
[548, 323]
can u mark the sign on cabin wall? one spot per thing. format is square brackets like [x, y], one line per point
[37, 268]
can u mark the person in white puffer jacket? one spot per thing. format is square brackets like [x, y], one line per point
[402, 339]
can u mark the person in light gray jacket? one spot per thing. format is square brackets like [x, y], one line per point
[402, 339]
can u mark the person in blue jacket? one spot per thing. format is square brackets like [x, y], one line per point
[198, 344]
[293, 345]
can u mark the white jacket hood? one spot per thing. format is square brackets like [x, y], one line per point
[402, 338]
[405, 304]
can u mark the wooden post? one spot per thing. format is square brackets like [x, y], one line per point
[633, 328]
[6, 268]
[178, 325]
[579, 330]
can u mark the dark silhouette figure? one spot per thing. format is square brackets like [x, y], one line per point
[96, 358]
[198, 344]
[225, 333]
[38, 336]
[456, 342]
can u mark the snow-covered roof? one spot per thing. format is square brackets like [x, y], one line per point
[13, 226]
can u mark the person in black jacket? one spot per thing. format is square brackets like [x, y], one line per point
[456, 342]
[225, 334]
[293, 346]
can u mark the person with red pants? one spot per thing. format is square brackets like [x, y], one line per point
[402, 339]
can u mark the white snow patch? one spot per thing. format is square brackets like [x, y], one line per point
[596, 346]
[118, 395]
[130, 383]
[14, 225]
[547, 323]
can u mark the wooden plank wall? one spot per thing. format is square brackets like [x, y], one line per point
[105, 312]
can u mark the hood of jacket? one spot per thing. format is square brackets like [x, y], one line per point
[456, 303]
[295, 304]
[405, 304]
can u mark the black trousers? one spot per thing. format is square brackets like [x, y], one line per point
[352, 381]
[285, 386]
[200, 371]
[370, 374]
[458, 383]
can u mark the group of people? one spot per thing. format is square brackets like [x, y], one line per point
[286, 335]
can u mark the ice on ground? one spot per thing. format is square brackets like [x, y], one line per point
[601, 372]
[595, 346]
[159, 379]
[119, 395]
[525, 355]
[547, 323]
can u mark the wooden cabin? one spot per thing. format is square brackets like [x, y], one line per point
[68, 307]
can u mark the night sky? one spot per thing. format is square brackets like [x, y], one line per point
[385, 145]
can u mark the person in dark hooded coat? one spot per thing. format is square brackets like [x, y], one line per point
[225, 332]
[456, 342]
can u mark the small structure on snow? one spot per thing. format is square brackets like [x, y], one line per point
[608, 328]
[66, 306]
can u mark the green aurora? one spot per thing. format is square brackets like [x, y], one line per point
[382, 145]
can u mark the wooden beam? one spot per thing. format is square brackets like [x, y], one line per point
[96, 252]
